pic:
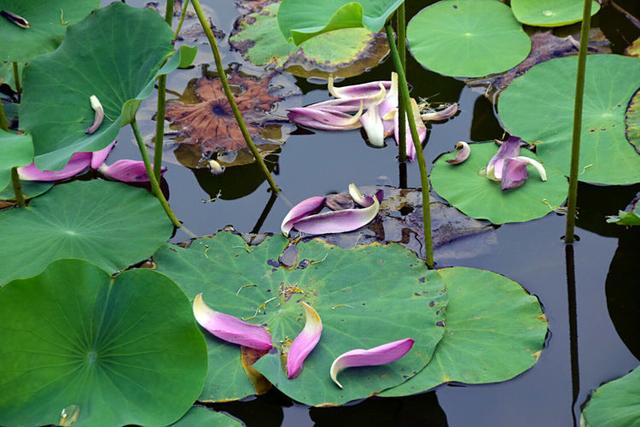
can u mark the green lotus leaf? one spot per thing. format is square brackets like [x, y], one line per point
[366, 296]
[107, 223]
[550, 13]
[7, 76]
[468, 189]
[538, 107]
[629, 216]
[115, 54]
[467, 38]
[342, 53]
[107, 351]
[30, 189]
[632, 121]
[15, 151]
[484, 342]
[199, 416]
[615, 404]
[49, 21]
[300, 20]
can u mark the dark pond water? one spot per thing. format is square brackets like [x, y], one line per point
[593, 320]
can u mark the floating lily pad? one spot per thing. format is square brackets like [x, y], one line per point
[550, 13]
[350, 289]
[199, 416]
[30, 189]
[127, 48]
[484, 342]
[341, 53]
[615, 404]
[629, 216]
[15, 151]
[300, 20]
[468, 189]
[106, 350]
[467, 38]
[48, 20]
[538, 107]
[632, 121]
[107, 223]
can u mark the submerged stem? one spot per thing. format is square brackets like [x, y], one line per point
[401, 25]
[4, 121]
[183, 13]
[229, 94]
[155, 184]
[424, 178]
[17, 187]
[577, 123]
[16, 78]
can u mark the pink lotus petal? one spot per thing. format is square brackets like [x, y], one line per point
[129, 171]
[381, 355]
[464, 151]
[536, 164]
[422, 131]
[78, 164]
[305, 342]
[441, 115]
[324, 119]
[229, 328]
[339, 221]
[338, 105]
[307, 207]
[365, 91]
[514, 173]
[99, 157]
[373, 126]
[509, 149]
[389, 106]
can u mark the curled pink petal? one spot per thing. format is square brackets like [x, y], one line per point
[441, 115]
[373, 126]
[514, 173]
[463, 152]
[338, 105]
[305, 342]
[422, 130]
[129, 171]
[324, 119]
[364, 91]
[536, 164]
[389, 106]
[98, 115]
[339, 221]
[99, 157]
[376, 356]
[307, 207]
[229, 328]
[78, 164]
[509, 149]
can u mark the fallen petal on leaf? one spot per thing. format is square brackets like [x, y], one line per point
[99, 157]
[307, 207]
[536, 164]
[129, 171]
[514, 173]
[78, 164]
[339, 221]
[464, 151]
[305, 342]
[509, 149]
[376, 356]
[98, 115]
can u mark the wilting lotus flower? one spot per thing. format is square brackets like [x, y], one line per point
[229, 328]
[509, 168]
[305, 342]
[376, 356]
[307, 218]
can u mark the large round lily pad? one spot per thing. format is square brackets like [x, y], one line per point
[366, 296]
[15, 151]
[538, 107]
[484, 342]
[114, 352]
[342, 53]
[48, 19]
[467, 38]
[615, 404]
[115, 54]
[199, 416]
[468, 189]
[107, 223]
[300, 20]
[550, 13]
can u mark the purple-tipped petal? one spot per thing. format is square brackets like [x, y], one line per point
[536, 164]
[365, 92]
[98, 115]
[129, 171]
[376, 356]
[305, 342]
[389, 106]
[324, 119]
[508, 149]
[338, 105]
[339, 221]
[78, 164]
[422, 130]
[307, 207]
[514, 173]
[99, 157]
[373, 126]
[441, 115]
[463, 152]
[229, 328]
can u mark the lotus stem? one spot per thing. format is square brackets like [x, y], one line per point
[424, 178]
[229, 94]
[4, 121]
[155, 184]
[17, 187]
[577, 123]
[401, 28]
[16, 78]
[183, 14]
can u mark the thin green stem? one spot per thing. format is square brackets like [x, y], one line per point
[4, 121]
[424, 178]
[229, 94]
[16, 78]
[162, 96]
[577, 123]
[17, 187]
[155, 184]
[183, 14]
[401, 25]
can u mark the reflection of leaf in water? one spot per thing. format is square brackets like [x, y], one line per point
[632, 121]
[545, 46]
